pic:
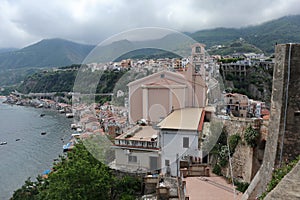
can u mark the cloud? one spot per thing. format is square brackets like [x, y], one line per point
[91, 21]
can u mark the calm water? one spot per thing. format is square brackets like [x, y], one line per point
[33, 153]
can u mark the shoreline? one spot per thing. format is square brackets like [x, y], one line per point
[38, 103]
[33, 153]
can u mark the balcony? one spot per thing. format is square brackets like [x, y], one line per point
[136, 144]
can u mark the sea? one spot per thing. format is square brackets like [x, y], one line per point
[28, 153]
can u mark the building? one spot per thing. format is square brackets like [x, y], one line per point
[155, 96]
[256, 108]
[137, 150]
[176, 97]
[236, 104]
[160, 149]
[198, 58]
[179, 135]
[238, 69]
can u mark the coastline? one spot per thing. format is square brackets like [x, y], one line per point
[93, 119]
[38, 103]
[27, 152]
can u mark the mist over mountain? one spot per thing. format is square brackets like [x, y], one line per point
[263, 36]
[46, 53]
[4, 50]
[60, 52]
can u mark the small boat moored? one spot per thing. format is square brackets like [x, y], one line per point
[69, 115]
[3, 143]
[68, 147]
[43, 133]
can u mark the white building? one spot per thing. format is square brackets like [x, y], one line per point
[179, 138]
[137, 150]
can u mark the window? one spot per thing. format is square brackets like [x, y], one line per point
[197, 68]
[167, 163]
[132, 159]
[185, 142]
[198, 50]
[297, 113]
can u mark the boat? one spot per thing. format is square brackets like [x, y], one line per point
[68, 146]
[62, 111]
[79, 130]
[3, 143]
[69, 115]
[40, 105]
[42, 115]
[43, 133]
[75, 126]
[18, 139]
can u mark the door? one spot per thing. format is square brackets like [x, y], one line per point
[153, 163]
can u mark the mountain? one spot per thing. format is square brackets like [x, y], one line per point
[148, 49]
[266, 35]
[59, 52]
[263, 36]
[259, 39]
[46, 53]
[4, 50]
[239, 45]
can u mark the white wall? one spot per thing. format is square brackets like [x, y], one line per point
[143, 158]
[171, 144]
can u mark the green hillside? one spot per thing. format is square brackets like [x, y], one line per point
[263, 36]
[266, 35]
[234, 47]
[63, 80]
[46, 53]
[216, 36]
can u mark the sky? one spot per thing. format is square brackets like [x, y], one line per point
[24, 22]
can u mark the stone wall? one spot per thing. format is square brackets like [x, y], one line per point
[288, 187]
[283, 141]
[246, 160]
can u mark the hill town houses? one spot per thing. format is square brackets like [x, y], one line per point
[168, 109]
[167, 113]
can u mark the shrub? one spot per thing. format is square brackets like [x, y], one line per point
[223, 154]
[217, 170]
[233, 142]
[251, 136]
[241, 186]
[223, 162]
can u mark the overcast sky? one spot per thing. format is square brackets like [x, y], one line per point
[23, 22]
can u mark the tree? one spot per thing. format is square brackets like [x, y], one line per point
[79, 176]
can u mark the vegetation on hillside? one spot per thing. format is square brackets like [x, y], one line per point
[251, 136]
[46, 53]
[237, 46]
[263, 36]
[80, 176]
[225, 147]
[256, 84]
[62, 80]
[147, 53]
[58, 52]
[278, 175]
[49, 81]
